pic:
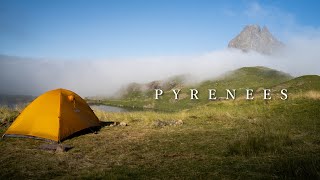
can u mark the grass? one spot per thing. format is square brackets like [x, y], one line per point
[218, 140]
[7, 116]
[237, 139]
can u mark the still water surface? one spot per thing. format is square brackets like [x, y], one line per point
[108, 108]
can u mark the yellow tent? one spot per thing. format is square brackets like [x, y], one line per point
[54, 115]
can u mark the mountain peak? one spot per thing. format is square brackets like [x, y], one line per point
[255, 38]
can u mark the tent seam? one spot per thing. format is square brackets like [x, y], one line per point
[59, 125]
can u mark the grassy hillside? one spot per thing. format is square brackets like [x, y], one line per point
[239, 139]
[250, 77]
[301, 84]
[219, 140]
[240, 79]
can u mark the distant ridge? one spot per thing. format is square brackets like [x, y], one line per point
[254, 38]
[245, 77]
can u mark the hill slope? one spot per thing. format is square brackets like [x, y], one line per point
[240, 79]
[301, 84]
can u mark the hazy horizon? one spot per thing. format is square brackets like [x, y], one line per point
[105, 77]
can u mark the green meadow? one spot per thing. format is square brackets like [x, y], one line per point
[222, 139]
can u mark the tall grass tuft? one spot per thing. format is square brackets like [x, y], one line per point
[7, 115]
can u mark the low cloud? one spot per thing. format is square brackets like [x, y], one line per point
[104, 77]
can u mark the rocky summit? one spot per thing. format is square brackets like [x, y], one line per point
[254, 38]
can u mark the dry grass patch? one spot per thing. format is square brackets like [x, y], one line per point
[218, 140]
[313, 95]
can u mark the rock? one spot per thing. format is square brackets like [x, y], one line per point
[160, 123]
[117, 124]
[123, 124]
[55, 147]
[48, 147]
[60, 149]
[149, 106]
[253, 38]
[63, 148]
[179, 122]
[154, 85]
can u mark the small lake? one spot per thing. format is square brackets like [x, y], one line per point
[106, 108]
[100, 107]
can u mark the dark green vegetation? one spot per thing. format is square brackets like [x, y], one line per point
[301, 84]
[238, 139]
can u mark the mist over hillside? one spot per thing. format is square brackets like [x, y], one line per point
[30, 76]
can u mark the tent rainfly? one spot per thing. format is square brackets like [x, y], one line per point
[54, 115]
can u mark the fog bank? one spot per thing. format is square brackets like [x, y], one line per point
[104, 77]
